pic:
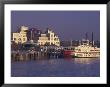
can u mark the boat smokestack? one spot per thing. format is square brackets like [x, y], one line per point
[71, 42]
[92, 39]
[86, 35]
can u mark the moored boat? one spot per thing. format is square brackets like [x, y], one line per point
[68, 51]
[86, 50]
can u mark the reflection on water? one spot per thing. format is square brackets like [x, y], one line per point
[71, 67]
[85, 60]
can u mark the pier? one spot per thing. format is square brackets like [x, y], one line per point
[36, 55]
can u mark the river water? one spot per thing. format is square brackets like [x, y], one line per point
[64, 67]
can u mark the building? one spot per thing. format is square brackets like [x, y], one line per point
[49, 38]
[33, 34]
[43, 39]
[20, 37]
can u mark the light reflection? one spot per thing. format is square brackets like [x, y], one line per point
[85, 60]
[53, 61]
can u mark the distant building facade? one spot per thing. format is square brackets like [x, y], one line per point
[20, 37]
[25, 34]
[33, 34]
[49, 38]
[68, 43]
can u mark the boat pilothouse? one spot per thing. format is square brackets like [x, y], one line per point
[86, 50]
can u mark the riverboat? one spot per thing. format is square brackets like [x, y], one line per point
[86, 50]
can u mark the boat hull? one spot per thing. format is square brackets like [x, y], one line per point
[84, 56]
[68, 53]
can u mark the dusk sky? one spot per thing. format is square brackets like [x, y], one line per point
[69, 25]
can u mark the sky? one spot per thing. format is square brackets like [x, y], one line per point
[68, 25]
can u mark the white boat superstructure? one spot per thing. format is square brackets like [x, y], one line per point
[86, 50]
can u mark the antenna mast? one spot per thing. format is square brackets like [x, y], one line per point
[92, 39]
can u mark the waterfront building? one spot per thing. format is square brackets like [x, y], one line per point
[43, 39]
[68, 43]
[49, 38]
[20, 37]
[33, 34]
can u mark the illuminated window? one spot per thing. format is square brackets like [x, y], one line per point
[23, 35]
[14, 38]
[19, 39]
[23, 39]
[55, 39]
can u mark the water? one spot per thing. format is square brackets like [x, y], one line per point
[67, 67]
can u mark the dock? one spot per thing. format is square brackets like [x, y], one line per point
[35, 55]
